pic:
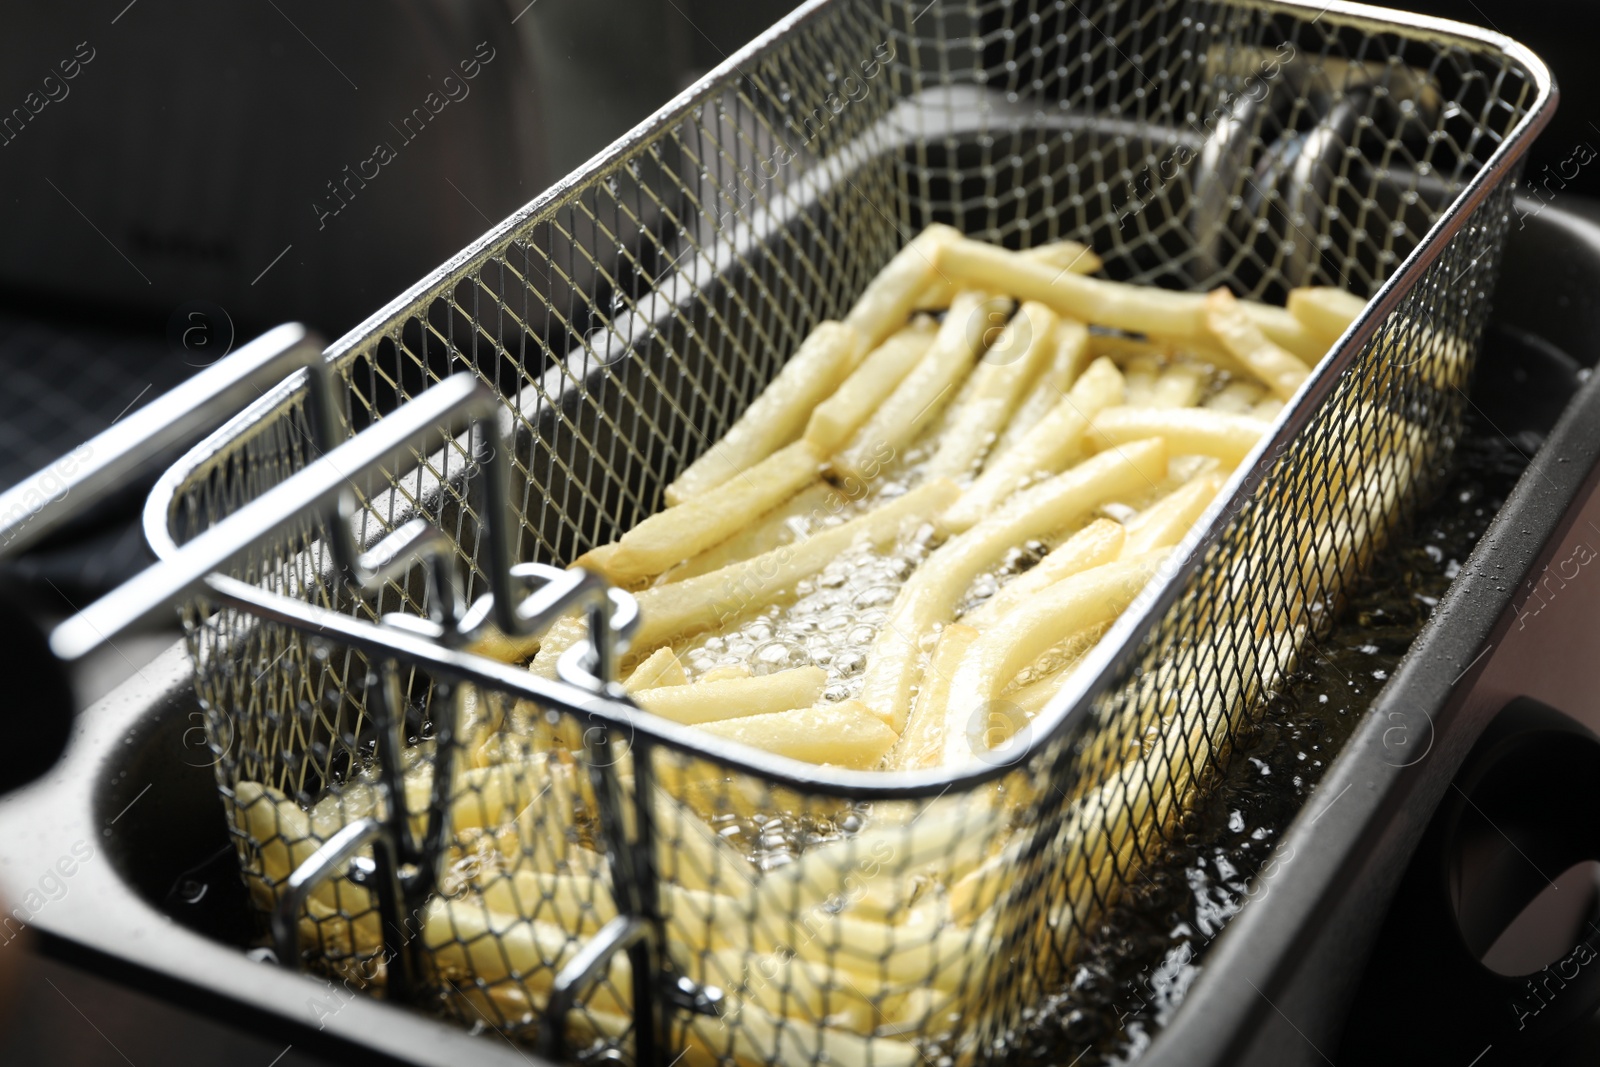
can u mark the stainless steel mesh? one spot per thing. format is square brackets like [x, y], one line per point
[629, 316]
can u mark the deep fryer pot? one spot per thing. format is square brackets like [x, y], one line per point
[1195, 1040]
[1299, 947]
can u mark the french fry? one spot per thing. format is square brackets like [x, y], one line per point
[674, 535]
[1098, 543]
[670, 612]
[1236, 398]
[1178, 386]
[1187, 431]
[794, 520]
[1139, 380]
[1054, 380]
[1063, 255]
[837, 418]
[1164, 523]
[892, 295]
[662, 668]
[929, 597]
[919, 398]
[870, 875]
[1267, 410]
[1089, 598]
[1326, 311]
[922, 744]
[703, 702]
[725, 672]
[1278, 369]
[1047, 447]
[777, 416]
[844, 734]
[994, 389]
[1130, 308]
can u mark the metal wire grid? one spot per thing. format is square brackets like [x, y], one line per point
[629, 318]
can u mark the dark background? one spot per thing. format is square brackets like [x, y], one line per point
[164, 208]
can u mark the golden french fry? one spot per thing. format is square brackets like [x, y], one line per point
[662, 668]
[1097, 543]
[702, 522]
[1236, 398]
[845, 734]
[1046, 448]
[1164, 523]
[1187, 431]
[922, 744]
[837, 418]
[702, 702]
[892, 295]
[1326, 311]
[924, 392]
[1277, 368]
[1089, 598]
[777, 416]
[930, 596]
[1011, 364]
[670, 612]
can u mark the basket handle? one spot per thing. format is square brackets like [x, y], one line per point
[325, 486]
[45, 501]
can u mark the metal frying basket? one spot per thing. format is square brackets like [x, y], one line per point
[539, 857]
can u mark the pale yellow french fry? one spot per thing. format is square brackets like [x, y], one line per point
[1132, 308]
[890, 297]
[872, 875]
[1326, 311]
[1178, 386]
[794, 520]
[1238, 397]
[1090, 598]
[1268, 409]
[726, 672]
[779, 414]
[837, 418]
[1097, 543]
[1187, 431]
[922, 744]
[1279, 370]
[843, 734]
[1139, 380]
[672, 536]
[924, 392]
[702, 702]
[1058, 376]
[717, 598]
[662, 668]
[930, 596]
[1026, 343]
[1164, 523]
[1046, 449]
[1063, 255]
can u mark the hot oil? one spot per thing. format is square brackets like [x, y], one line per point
[1150, 946]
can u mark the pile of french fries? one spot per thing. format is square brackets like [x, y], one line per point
[892, 560]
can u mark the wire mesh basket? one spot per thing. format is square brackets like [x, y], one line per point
[537, 856]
